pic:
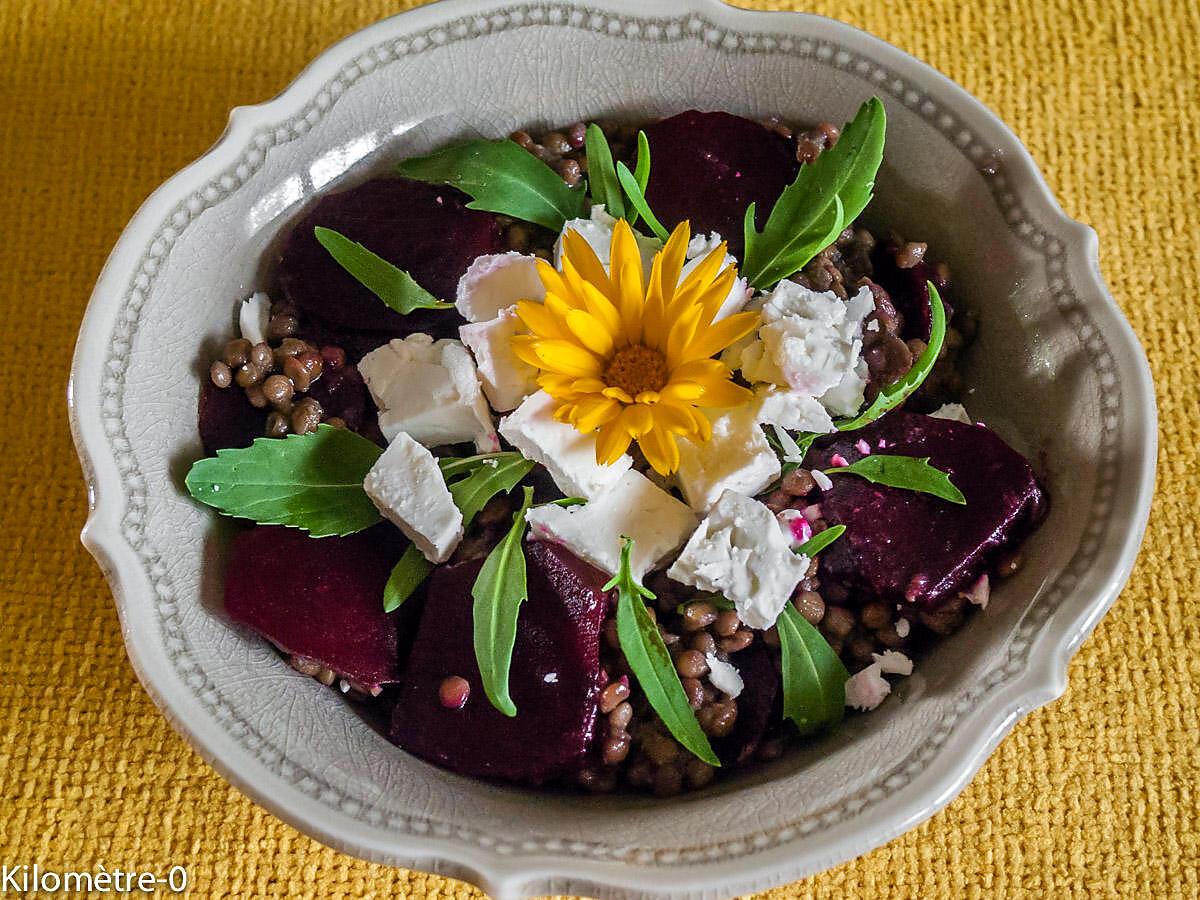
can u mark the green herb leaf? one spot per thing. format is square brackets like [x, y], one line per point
[907, 472]
[827, 194]
[393, 286]
[499, 591]
[651, 664]
[814, 679]
[819, 542]
[641, 170]
[901, 389]
[715, 599]
[637, 199]
[500, 472]
[407, 575]
[501, 177]
[312, 482]
[602, 176]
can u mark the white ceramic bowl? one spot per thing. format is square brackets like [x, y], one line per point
[1057, 371]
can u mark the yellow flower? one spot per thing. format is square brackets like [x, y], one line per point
[631, 358]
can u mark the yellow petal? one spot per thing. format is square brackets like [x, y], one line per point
[716, 293]
[588, 386]
[525, 347]
[539, 319]
[617, 393]
[716, 337]
[681, 392]
[637, 419]
[558, 386]
[647, 397]
[595, 411]
[590, 332]
[683, 329]
[707, 270]
[675, 419]
[659, 447]
[595, 302]
[697, 369]
[674, 255]
[567, 358]
[551, 279]
[625, 269]
[584, 259]
[611, 441]
[724, 394]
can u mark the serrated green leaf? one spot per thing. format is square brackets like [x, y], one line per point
[392, 285]
[650, 661]
[602, 175]
[502, 472]
[501, 177]
[637, 199]
[407, 575]
[499, 590]
[902, 388]
[312, 482]
[827, 195]
[908, 472]
[819, 542]
[814, 679]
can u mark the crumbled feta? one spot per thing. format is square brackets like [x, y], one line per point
[738, 458]
[739, 551]
[634, 508]
[507, 379]
[981, 591]
[568, 455]
[698, 250]
[793, 410]
[823, 481]
[893, 662]
[955, 412]
[867, 688]
[723, 676]
[407, 487]
[550, 678]
[429, 390]
[873, 325]
[796, 529]
[903, 627]
[598, 232]
[862, 447]
[811, 342]
[253, 317]
[496, 281]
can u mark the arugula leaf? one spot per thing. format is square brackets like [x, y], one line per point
[602, 176]
[501, 177]
[641, 170]
[650, 661]
[393, 286]
[900, 389]
[312, 482]
[827, 194]
[637, 199]
[499, 591]
[906, 472]
[407, 575]
[814, 679]
[819, 542]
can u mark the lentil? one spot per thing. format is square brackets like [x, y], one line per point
[739, 640]
[278, 389]
[727, 624]
[698, 615]
[236, 353]
[691, 664]
[613, 695]
[220, 374]
[620, 717]
[454, 692]
[810, 605]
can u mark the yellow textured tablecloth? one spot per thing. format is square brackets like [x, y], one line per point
[101, 100]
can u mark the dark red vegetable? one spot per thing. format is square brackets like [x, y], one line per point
[226, 418]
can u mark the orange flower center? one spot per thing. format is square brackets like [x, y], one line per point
[635, 369]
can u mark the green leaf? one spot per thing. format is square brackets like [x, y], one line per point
[827, 195]
[819, 542]
[907, 472]
[814, 679]
[499, 472]
[715, 599]
[900, 389]
[407, 575]
[637, 199]
[641, 170]
[651, 664]
[602, 176]
[501, 177]
[393, 286]
[499, 591]
[312, 482]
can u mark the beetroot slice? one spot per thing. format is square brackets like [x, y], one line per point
[554, 680]
[908, 290]
[424, 229]
[757, 706]
[709, 166]
[226, 418]
[903, 546]
[343, 393]
[320, 597]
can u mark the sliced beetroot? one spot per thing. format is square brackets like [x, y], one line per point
[343, 393]
[554, 680]
[908, 289]
[904, 546]
[226, 418]
[424, 229]
[709, 166]
[757, 705]
[320, 598]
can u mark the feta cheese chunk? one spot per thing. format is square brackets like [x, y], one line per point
[568, 455]
[430, 390]
[867, 688]
[598, 232]
[698, 249]
[811, 342]
[496, 281]
[793, 410]
[507, 379]
[893, 662]
[407, 487]
[739, 551]
[797, 530]
[253, 317]
[633, 507]
[955, 412]
[723, 676]
[738, 458]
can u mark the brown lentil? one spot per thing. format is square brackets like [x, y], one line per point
[278, 389]
[256, 397]
[698, 615]
[236, 353]
[570, 171]
[220, 374]
[659, 748]
[838, 621]
[911, 254]
[277, 425]
[620, 717]
[874, 615]
[668, 781]
[335, 422]
[798, 483]
[727, 623]
[261, 357]
[694, 691]
[454, 692]
[698, 773]
[717, 719]
[282, 326]
[306, 416]
[613, 695]
[616, 748]
[739, 640]
[703, 641]
[248, 375]
[691, 664]
[810, 605]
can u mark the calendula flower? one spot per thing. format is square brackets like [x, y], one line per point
[630, 358]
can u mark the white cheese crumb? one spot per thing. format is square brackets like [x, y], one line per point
[737, 458]
[407, 487]
[823, 481]
[507, 379]
[981, 591]
[739, 551]
[867, 688]
[634, 507]
[893, 662]
[793, 410]
[955, 412]
[429, 390]
[568, 455]
[796, 529]
[903, 627]
[253, 317]
[723, 676]
[496, 281]
[550, 678]
[873, 325]
[598, 232]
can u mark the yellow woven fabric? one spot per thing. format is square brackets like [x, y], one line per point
[101, 100]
